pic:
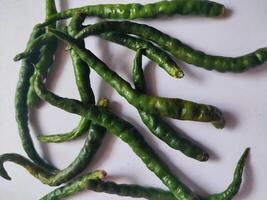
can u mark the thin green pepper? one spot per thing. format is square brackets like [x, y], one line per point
[46, 55]
[154, 53]
[82, 73]
[152, 10]
[78, 185]
[54, 178]
[146, 192]
[178, 49]
[157, 126]
[170, 107]
[21, 109]
[125, 131]
[151, 51]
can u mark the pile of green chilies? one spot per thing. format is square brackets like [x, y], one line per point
[96, 119]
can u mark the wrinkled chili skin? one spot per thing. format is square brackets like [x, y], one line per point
[125, 131]
[54, 178]
[178, 49]
[82, 74]
[170, 107]
[157, 126]
[21, 108]
[47, 55]
[151, 10]
[75, 186]
[154, 193]
[154, 53]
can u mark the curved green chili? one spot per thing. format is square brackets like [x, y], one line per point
[234, 187]
[151, 10]
[21, 108]
[125, 131]
[76, 186]
[178, 49]
[154, 53]
[157, 126]
[146, 192]
[82, 73]
[46, 55]
[53, 178]
[170, 107]
[151, 51]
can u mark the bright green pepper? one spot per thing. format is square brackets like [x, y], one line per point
[151, 10]
[157, 126]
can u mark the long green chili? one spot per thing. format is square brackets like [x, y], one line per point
[53, 178]
[178, 49]
[154, 53]
[146, 192]
[125, 131]
[151, 10]
[157, 126]
[47, 53]
[82, 73]
[170, 107]
[21, 108]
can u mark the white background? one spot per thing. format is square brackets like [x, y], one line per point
[242, 97]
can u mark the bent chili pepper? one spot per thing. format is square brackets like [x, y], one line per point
[125, 131]
[154, 53]
[170, 107]
[82, 73]
[53, 178]
[151, 10]
[21, 108]
[157, 126]
[178, 49]
[146, 192]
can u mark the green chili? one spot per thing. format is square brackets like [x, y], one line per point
[151, 10]
[151, 51]
[157, 126]
[54, 178]
[170, 107]
[82, 73]
[125, 131]
[154, 53]
[21, 108]
[146, 192]
[46, 55]
[178, 49]
[234, 187]
[78, 185]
